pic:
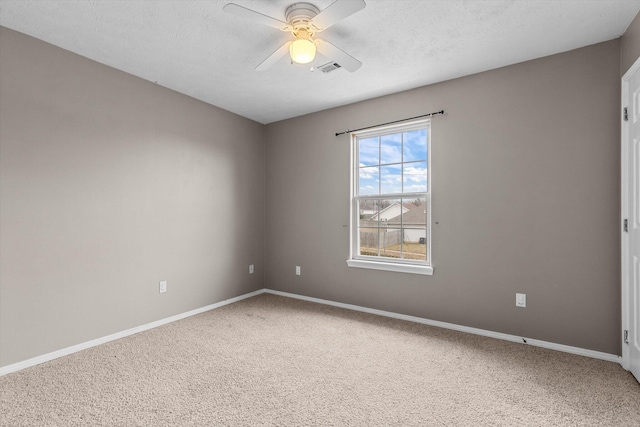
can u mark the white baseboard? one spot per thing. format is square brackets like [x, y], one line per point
[75, 348]
[522, 340]
[507, 337]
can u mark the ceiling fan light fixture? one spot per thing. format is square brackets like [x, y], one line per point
[302, 51]
[304, 21]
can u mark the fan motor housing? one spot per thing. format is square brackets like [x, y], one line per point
[299, 14]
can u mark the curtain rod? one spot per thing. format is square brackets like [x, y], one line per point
[389, 123]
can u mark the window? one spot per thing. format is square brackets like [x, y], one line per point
[391, 199]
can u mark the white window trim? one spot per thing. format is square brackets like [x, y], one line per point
[391, 266]
[377, 263]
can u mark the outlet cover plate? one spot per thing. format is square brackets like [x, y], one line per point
[163, 286]
[297, 270]
[521, 300]
[251, 269]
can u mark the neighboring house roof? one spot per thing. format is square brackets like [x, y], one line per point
[383, 214]
[416, 215]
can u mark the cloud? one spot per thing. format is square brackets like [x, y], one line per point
[391, 179]
[416, 188]
[415, 145]
[412, 170]
[390, 154]
[369, 151]
[369, 173]
[391, 149]
[415, 177]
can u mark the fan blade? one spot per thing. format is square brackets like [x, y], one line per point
[338, 55]
[336, 11]
[274, 57]
[254, 16]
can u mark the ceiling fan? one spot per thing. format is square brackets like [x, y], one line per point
[304, 21]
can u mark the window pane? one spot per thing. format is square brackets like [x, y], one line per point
[414, 213]
[390, 235]
[391, 149]
[415, 145]
[369, 151]
[391, 179]
[414, 229]
[368, 210]
[390, 210]
[369, 181]
[391, 242]
[415, 177]
[414, 243]
[368, 241]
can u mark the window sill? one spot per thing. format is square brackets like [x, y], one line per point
[389, 266]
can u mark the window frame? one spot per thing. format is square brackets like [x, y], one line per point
[378, 262]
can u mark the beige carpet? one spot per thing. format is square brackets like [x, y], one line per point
[270, 360]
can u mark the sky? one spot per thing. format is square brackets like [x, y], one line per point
[395, 163]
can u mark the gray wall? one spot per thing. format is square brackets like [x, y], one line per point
[525, 189]
[109, 184]
[630, 47]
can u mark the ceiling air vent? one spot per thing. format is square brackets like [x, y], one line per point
[329, 67]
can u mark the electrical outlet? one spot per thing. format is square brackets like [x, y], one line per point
[251, 269]
[163, 286]
[297, 270]
[521, 300]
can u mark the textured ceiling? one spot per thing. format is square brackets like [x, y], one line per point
[195, 48]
